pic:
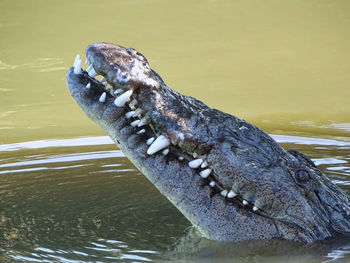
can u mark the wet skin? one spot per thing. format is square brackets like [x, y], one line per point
[229, 179]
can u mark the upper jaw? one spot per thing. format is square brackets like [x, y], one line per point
[119, 66]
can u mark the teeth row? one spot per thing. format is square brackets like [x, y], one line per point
[199, 162]
[232, 194]
[160, 143]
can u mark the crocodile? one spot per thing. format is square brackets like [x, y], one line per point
[230, 179]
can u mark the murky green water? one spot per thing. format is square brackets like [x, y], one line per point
[80, 200]
[283, 66]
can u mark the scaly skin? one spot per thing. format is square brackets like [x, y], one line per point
[261, 190]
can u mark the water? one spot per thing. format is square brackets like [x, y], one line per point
[81, 200]
[68, 195]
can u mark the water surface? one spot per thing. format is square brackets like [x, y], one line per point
[81, 200]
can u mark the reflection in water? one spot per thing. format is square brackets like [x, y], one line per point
[79, 200]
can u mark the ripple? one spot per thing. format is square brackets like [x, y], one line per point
[40, 65]
[85, 141]
[308, 140]
[328, 161]
[337, 254]
[68, 158]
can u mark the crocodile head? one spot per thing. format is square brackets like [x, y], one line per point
[230, 179]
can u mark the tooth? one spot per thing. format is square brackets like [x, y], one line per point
[212, 184]
[137, 112]
[150, 141]
[160, 143]
[204, 164]
[118, 91]
[195, 163]
[122, 99]
[134, 123]
[77, 67]
[89, 68]
[141, 131]
[231, 194]
[142, 122]
[255, 208]
[77, 58]
[223, 193]
[165, 152]
[88, 86]
[244, 202]
[103, 97]
[87, 62]
[103, 79]
[129, 114]
[133, 103]
[92, 73]
[205, 173]
[194, 155]
[180, 158]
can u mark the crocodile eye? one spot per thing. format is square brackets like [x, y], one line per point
[302, 176]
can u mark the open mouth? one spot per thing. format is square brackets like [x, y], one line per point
[137, 104]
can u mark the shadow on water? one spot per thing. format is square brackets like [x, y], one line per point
[81, 200]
